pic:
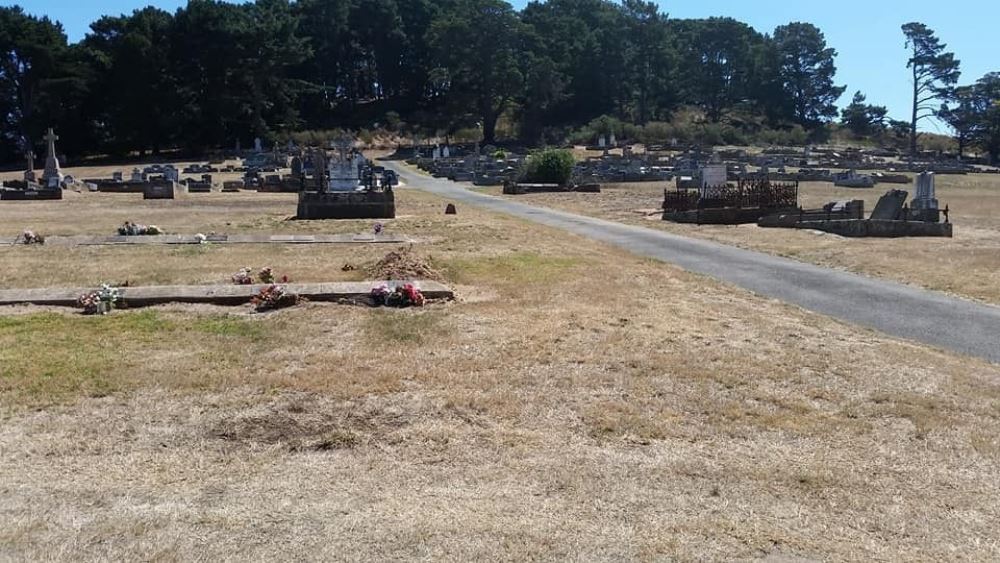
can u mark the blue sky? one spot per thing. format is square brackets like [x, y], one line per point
[865, 33]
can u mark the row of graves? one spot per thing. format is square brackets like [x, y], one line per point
[47, 187]
[710, 198]
[482, 166]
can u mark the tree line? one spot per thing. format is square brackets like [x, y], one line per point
[213, 73]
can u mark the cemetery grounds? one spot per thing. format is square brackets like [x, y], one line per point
[967, 265]
[574, 401]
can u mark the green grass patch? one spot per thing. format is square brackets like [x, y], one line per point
[516, 268]
[50, 357]
[53, 358]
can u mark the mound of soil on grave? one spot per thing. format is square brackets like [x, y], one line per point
[404, 264]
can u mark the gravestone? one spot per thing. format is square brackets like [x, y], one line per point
[29, 174]
[297, 167]
[925, 204]
[890, 206]
[258, 146]
[613, 141]
[171, 174]
[450, 209]
[52, 177]
[437, 153]
[117, 176]
[713, 175]
[446, 152]
[602, 142]
[159, 190]
[138, 176]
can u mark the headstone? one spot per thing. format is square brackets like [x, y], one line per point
[171, 174]
[446, 152]
[613, 141]
[117, 176]
[52, 176]
[239, 148]
[138, 176]
[890, 206]
[297, 167]
[450, 210]
[258, 146]
[437, 152]
[29, 174]
[602, 142]
[926, 197]
[713, 175]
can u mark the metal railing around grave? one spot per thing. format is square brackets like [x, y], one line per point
[748, 193]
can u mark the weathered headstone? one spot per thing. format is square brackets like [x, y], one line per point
[602, 142]
[138, 176]
[437, 153]
[29, 174]
[52, 177]
[171, 174]
[258, 146]
[446, 152]
[613, 141]
[890, 206]
[297, 167]
[713, 175]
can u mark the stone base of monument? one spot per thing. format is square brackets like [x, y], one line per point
[31, 194]
[725, 215]
[874, 228]
[346, 205]
[165, 189]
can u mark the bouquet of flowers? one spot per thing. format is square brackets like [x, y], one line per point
[403, 296]
[273, 297]
[31, 237]
[99, 302]
[134, 229]
[244, 276]
[378, 228]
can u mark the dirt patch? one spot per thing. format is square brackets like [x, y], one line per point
[404, 264]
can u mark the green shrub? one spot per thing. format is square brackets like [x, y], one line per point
[549, 166]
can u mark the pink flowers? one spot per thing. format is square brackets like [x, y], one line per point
[401, 297]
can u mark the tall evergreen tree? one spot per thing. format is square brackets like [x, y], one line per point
[807, 71]
[935, 73]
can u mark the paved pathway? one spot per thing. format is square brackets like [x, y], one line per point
[925, 316]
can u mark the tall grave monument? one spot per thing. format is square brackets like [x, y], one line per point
[52, 177]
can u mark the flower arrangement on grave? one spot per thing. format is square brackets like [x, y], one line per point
[378, 228]
[403, 296]
[266, 276]
[31, 237]
[130, 229]
[99, 302]
[273, 297]
[243, 277]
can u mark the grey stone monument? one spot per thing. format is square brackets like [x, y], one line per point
[52, 177]
[29, 174]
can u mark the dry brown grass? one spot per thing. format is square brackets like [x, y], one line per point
[575, 403]
[967, 265]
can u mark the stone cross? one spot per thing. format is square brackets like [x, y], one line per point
[52, 175]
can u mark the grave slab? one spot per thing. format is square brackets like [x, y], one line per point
[212, 294]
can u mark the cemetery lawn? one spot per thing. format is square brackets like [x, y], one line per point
[575, 402]
[967, 265]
